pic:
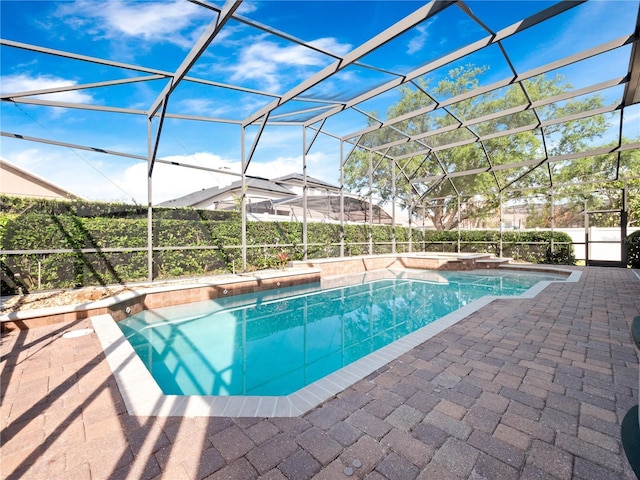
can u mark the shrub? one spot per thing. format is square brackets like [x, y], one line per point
[41, 225]
[633, 249]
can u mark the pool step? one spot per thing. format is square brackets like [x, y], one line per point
[418, 260]
[474, 261]
[492, 262]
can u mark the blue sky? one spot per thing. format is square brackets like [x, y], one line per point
[157, 35]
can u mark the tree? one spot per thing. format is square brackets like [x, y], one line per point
[608, 176]
[422, 168]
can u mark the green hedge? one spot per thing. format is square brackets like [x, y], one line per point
[633, 249]
[34, 224]
[534, 247]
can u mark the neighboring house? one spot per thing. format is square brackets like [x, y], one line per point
[20, 183]
[228, 196]
[295, 183]
[282, 196]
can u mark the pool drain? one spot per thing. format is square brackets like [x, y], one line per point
[77, 333]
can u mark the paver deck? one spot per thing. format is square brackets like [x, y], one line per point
[527, 388]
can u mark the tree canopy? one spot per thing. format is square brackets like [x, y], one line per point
[433, 148]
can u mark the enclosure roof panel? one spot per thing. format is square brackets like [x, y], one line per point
[511, 83]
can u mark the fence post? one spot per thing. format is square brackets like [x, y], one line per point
[501, 222]
[458, 215]
[341, 198]
[553, 220]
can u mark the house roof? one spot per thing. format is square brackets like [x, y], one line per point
[31, 185]
[297, 178]
[354, 208]
[210, 194]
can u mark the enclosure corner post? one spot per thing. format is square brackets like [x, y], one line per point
[149, 200]
[624, 220]
[341, 198]
[410, 229]
[458, 221]
[370, 202]
[393, 207]
[501, 222]
[243, 206]
[553, 219]
[305, 246]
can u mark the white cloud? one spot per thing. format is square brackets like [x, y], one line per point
[22, 83]
[332, 45]
[417, 42]
[275, 168]
[54, 165]
[157, 21]
[200, 106]
[170, 181]
[247, 7]
[25, 159]
[106, 178]
[319, 165]
[270, 63]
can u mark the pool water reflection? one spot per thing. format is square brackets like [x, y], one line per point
[277, 342]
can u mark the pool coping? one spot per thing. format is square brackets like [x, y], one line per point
[137, 297]
[143, 397]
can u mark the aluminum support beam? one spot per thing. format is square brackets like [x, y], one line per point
[84, 58]
[524, 128]
[495, 86]
[393, 206]
[254, 145]
[196, 51]
[72, 88]
[112, 152]
[632, 91]
[342, 160]
[370, 203]
[131, 111]
[501, 222]
[149, 201]
[305, 192]
[402, 26]
[243, 204]
[315, 136]
[491, 39]
[156, 141]
[127, 66]
[192, 57]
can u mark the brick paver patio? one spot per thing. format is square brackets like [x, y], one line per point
[528, 388]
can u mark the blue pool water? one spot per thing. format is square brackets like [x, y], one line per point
[277, 342]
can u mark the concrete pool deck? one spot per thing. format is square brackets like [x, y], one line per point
[530, 388]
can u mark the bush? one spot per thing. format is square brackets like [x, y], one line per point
[42, 225]
[633, 249]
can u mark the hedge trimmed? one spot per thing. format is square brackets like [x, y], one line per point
[633, 249]
[35, 224]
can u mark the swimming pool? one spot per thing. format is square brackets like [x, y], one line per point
[275, 343]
